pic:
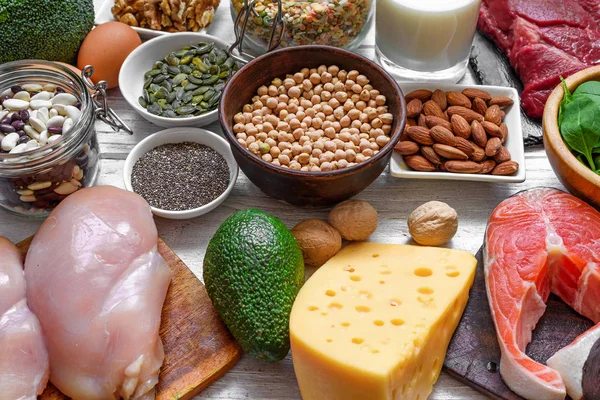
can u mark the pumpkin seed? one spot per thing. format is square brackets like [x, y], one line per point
[186, 69]
[179, 78]
[205, 48]
[194, 80]
[179, 92]
[211, 81]
[154, 109]
[176, 104]
[171, 96]
[159, 78]
[147, 82]
[143, 102]
[152, 72]
[187, 97]
[172, 60]
[185, 60]
[201, 90]
[161, 93]
[183, 110]
[173, 70]
[190, 86]
[179, 53]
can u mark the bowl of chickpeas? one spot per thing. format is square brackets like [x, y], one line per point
[312, 125]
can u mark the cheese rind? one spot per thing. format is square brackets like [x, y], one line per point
[375, 321]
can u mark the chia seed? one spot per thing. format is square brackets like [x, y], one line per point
[180, 176]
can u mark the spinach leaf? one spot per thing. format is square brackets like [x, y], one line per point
[580, 127]
[590, 89]
[567, 98]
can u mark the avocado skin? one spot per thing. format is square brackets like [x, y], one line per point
[253, 270]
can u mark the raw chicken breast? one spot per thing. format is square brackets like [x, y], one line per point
[97, 282]
[23, 355]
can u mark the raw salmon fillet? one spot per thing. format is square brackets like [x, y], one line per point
[539, 241]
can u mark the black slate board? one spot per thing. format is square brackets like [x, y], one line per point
[491, 67]
[473, 356]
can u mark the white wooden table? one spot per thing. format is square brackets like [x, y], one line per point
[393, 198]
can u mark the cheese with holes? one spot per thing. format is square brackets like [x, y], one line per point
[375, 321]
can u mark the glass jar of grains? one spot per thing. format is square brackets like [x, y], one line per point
[48, 144]
[339, 23]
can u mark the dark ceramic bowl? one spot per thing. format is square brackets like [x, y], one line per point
[300, 187]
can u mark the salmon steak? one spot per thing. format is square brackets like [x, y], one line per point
[538, 242]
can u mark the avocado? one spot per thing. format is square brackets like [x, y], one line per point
[253, 270]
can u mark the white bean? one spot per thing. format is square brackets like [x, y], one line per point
[52, 113]
[37, 104]
[32, 144]
[42, 114]
[32, 87]
[32, 133]
[55, 121]
[64, 98]
[73, 112]
[8, 92]
[37, 124]
[18, 149]
[22, 95]
[41, 96]
[15, 104]
[60, 108]
[43, 138]
[53, 138]
[10, 141]
[3, 114]
[67, 125]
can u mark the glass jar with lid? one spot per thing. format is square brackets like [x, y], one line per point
[53, 160]
[338, 23]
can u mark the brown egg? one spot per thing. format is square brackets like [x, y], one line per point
[105, 48]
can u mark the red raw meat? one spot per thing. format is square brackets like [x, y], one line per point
[543, 40]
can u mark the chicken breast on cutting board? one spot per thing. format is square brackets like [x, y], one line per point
[97, 283]
[23, 355]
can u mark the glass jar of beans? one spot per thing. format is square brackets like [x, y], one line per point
[48, 144]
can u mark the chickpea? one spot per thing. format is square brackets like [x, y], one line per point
[303, 158]
[314, 79]
[318, 108]
[342, 164]
[314, 161]
[360, 105]
[339, 143]
[283, 126]
[288, 83]
[364, 144]
[284, 146]
[348, 84]
[356, 124]
[265, 111]
[339, 87]
[355, 139]
[345, 136]
[306, 104]
[312, 71]
[314, 168]
[371, 112]
[307, 85]
[356, 88]
[305, 72]
[334, 103]
[311, 112]
[326, 166]
[377, 123]
[283, 159]
[353, 114]
[333, 70]
[360, 158]
[287, 152]
[294, 92]
[341, 96]
[369, 87]
[382, 109]
[251, 130]
[305, 169]
[238, 128]
[319, 144]
[330, 146]
[317, 123]
[256, 120]
[254, 147]
[386, 129]
[298, 77]
[306, 149]
[372, 103]
[314, 136]
[329, 87]
[364, 136]
[272, 103]
[267, 157]
[348, 105]
[375, 133]
[257, 105]
[243, 143]
[262, 136]
[303, 139]
[365, 95]
[247, 108]
[350, 155]
[387, 118]
[374, 94]
[349, 146]
[364, 118]
[239, 118]
[326, 77]
[368, 153]
[337, 126]
[345, 121]
[382, 140]
[316, 153]
[325, 95]
[380, 100]
[317, 90]
[374, 146]
[296, 149]
[300, 115]
[326, 157]
[276, 162]
[272, 91]
[251, 139]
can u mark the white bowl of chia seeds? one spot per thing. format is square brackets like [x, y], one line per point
[176, 80]
[181, 172]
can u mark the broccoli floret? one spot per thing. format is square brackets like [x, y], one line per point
[44, 29]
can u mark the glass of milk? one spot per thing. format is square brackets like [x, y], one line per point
[425, 39]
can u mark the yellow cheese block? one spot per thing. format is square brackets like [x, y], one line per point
[375, 321]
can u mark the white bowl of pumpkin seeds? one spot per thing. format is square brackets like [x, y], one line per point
[176, 80]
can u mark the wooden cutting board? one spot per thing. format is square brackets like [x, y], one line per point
[198, 347]
[474, 355]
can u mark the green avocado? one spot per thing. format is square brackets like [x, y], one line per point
[253, 270]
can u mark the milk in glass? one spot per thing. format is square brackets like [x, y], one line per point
[425, 39]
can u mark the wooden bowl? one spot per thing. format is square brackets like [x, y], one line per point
[575, 176]
[301, 187]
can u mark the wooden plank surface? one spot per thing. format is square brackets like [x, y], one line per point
[474, 354]
[198, 347]
[393, 198]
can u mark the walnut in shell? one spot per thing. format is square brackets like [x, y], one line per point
[433, 223]
[318, 240]
[354, 219]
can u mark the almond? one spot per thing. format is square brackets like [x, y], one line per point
[420, 135]
[435, 121]
[422, 121]
[458, 99]
[432, 108]
[419, 163]
[411, 122]
[501, 101]
[440, 98]
[504, 132]
[502, 155]
[493, 146]
[479, 106]
[478, 133]
[473, 93]
[462, 167]
[404, 136]
[466, 113]
[491, 129]
[442, 135]
[449, 152]
[414, 108]
[494, 114]
[478, 152]
[506, 168]
[421, 94]
[431, 155]
[460, 126]
[407, 148]
[487, 166]
[463, 145]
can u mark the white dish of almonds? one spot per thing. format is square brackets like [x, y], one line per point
[513, 144]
